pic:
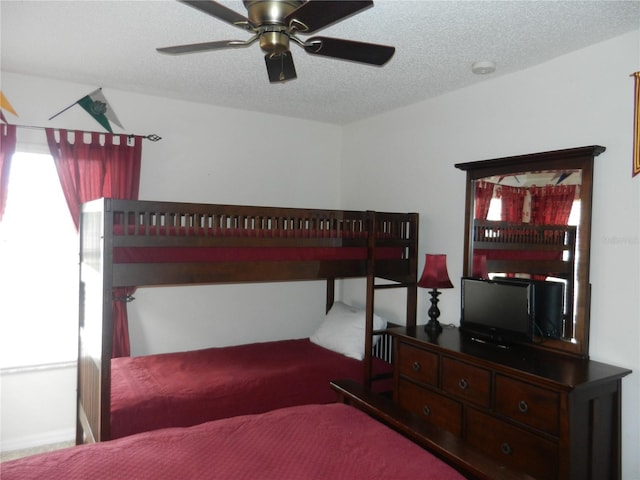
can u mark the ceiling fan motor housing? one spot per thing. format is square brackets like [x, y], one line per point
[269, 16]
[274, 42]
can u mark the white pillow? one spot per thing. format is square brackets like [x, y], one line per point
[343, 330]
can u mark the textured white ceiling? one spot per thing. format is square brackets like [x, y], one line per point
[112, 44]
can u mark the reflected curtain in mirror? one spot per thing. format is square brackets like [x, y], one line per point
[484, 194]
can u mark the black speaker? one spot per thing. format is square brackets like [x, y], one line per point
[548, 305]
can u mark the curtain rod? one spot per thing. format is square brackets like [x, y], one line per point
[152, 137]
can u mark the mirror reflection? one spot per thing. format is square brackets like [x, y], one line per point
[525, 227]
[528, 217]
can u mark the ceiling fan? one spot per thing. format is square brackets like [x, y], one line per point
[276, 23]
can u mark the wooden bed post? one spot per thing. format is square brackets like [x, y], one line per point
[372, 228]
[331, 293]
[95, 337]
[412, 287]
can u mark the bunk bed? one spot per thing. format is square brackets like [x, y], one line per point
[127, 244]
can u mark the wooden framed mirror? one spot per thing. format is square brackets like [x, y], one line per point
[528, 218]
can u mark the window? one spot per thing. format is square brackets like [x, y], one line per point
[495, 211]
[39, 267]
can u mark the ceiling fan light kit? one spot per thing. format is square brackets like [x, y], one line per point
[277, 23]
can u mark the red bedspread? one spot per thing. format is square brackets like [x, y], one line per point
[187, 388]
[305, 442]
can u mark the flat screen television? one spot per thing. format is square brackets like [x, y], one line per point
[498, 311]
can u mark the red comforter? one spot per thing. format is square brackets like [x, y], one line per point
[298, 443]
[187, 388]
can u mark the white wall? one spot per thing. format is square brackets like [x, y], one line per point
[404, 160]
[215, 155]
[37, 406]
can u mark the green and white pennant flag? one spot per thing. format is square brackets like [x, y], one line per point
[97, 106]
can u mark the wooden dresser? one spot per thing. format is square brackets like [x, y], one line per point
[549, 415]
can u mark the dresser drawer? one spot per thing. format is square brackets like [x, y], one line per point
[466, 381]
[432, 407]
[513, 446]
[528, 404]
[417, 364]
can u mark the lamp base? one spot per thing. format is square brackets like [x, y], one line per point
[433, 326]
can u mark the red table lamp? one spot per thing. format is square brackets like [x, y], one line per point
[434, 276]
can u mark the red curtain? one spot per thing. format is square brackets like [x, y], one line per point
[551, 204]
[7, 149]
[88, 171]
[512, 203]
[483, 196]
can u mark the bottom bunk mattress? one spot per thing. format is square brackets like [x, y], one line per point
[304, 442]
[188, 388]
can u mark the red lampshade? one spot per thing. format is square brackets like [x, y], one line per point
[435, 273]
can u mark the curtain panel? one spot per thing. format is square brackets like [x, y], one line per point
[512, 203]
[483, 196]
[106, 166]
[7, 149]
[551, 204]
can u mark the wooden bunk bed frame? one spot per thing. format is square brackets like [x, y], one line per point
[127, 243]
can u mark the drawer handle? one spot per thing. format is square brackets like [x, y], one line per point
[506, 448]
[416, 367]
[463, 384]
[426, 410]
[522, 406]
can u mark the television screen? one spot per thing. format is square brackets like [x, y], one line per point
[497, 310]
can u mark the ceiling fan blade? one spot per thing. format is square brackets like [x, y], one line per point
[280, 67]
[220, 12]
[349, 50]
[316, 14]
[201, 47]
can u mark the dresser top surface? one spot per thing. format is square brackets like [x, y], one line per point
[561, 370]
